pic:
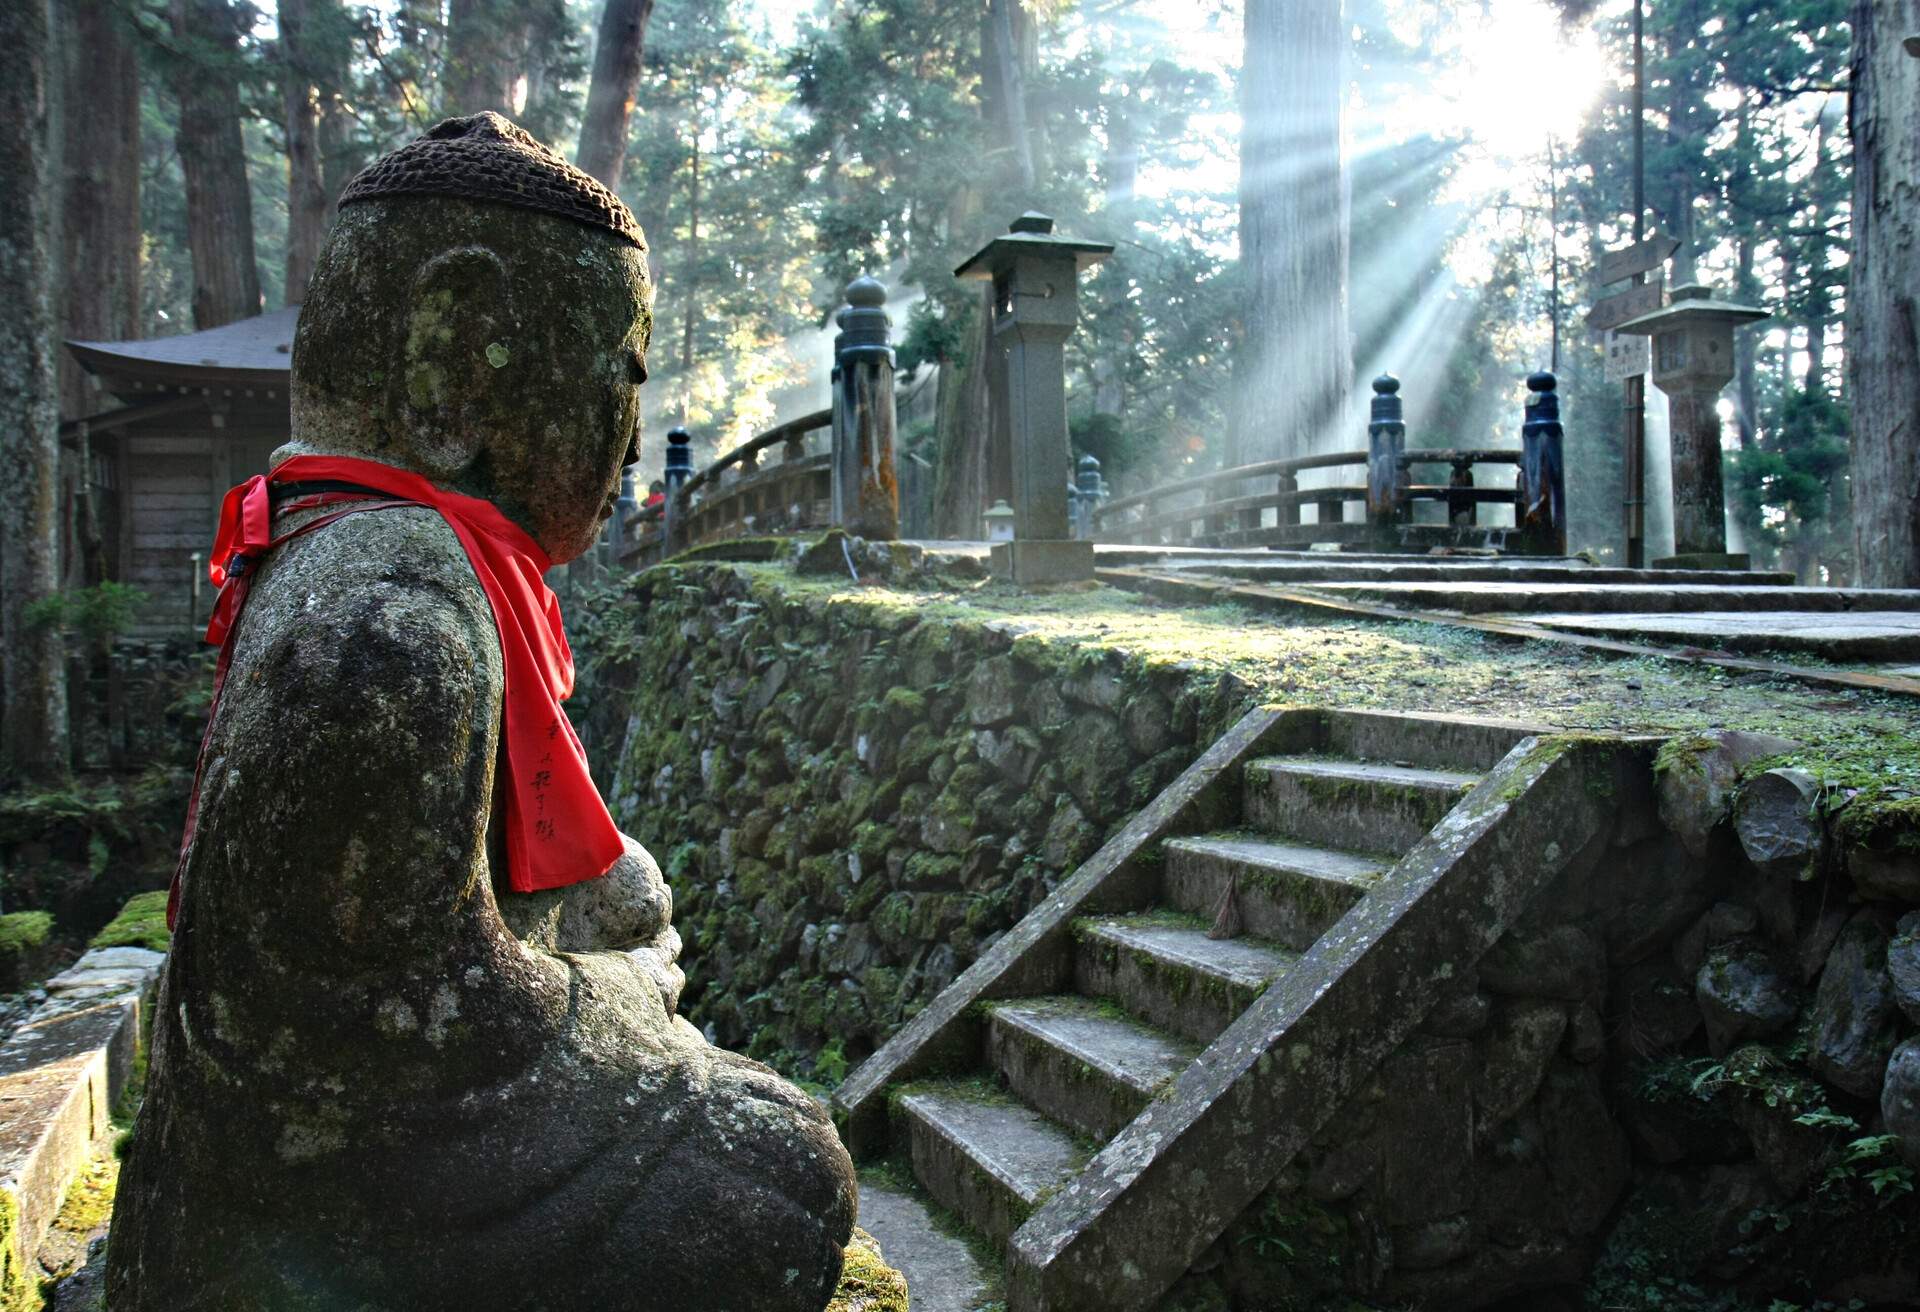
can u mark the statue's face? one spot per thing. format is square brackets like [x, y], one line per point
[555, 454]
[497, 350]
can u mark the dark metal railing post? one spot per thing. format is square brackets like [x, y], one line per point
[1542, 510]
[1386, 444]
[1289, 485]
[1088, 492]
[679, 469]
[624, 506]
[865, 484]
[1462, 511]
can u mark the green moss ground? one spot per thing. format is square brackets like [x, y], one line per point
[22, 931]
[1851, 738]
[142, 923]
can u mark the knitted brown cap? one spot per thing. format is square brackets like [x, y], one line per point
[485, 157]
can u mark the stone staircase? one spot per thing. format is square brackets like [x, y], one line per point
[1084, 1064]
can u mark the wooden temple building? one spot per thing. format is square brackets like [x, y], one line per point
[179, 420]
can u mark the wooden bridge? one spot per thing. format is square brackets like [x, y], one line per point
[782, 481]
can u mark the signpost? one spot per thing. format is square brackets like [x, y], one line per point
[1628, 358]
[1641, 257]
[1611, 311]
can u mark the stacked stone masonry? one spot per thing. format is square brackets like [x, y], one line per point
[849, 810]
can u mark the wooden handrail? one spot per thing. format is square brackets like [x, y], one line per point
[1296, 464]
[1257, 470]
[806, 423]
[754, 445]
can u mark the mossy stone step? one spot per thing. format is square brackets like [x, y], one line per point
[1437, 741]
[984, 1156]
[1288, 892]
[1081, 1062]
[1363, 806]
[1162, 967]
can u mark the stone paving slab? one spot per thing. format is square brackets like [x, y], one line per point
[1858, 636]
[1485, 597]
[1423, 569]
[943, 1273]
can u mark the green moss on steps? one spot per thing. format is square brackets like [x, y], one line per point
[142, 923]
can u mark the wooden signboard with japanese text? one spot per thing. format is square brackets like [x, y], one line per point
[1641, 257]
[1612, 311]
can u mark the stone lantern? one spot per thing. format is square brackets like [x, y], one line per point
[1036, 285]
[1692, 360]
[999, 522]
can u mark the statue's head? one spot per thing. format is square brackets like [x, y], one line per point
[480, 314]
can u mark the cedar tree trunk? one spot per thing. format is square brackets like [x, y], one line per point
[1295, 363]
[1883, 322]
[213, 161]
[33, 687]
[616, 72]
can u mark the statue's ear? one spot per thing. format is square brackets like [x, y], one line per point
[460, 340]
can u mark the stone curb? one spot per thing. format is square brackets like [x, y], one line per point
[60, 1074]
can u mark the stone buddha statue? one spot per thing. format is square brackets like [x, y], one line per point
[381, 1078]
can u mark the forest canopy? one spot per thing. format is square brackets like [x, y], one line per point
[1482, 159]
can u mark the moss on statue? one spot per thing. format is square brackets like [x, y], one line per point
[867, 1283]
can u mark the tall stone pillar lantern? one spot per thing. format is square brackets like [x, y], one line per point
[1692, 360]
[1036, 286]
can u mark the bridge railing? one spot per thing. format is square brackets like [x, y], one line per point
[742, 494]
[1231, 507]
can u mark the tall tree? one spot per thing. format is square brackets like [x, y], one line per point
[33, 702]
[205, 71]
[1295, 362]
[312, 74]
[969, 470]
[486, 55]
[616, 73]
[100, 185]
[1883, 320]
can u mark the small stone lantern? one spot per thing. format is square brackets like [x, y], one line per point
[999, 522]
[1035, 277]
[1692, 360]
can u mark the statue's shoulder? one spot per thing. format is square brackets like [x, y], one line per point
[378, 595]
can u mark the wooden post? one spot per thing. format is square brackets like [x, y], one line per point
[1289, 483]
[1541, 511]
[865, 485]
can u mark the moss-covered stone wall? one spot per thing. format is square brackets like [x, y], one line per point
[850, 801]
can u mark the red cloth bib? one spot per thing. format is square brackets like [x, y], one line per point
[558, 831]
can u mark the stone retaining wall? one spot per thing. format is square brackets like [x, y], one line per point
[852, 802]
[1689, 1078]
